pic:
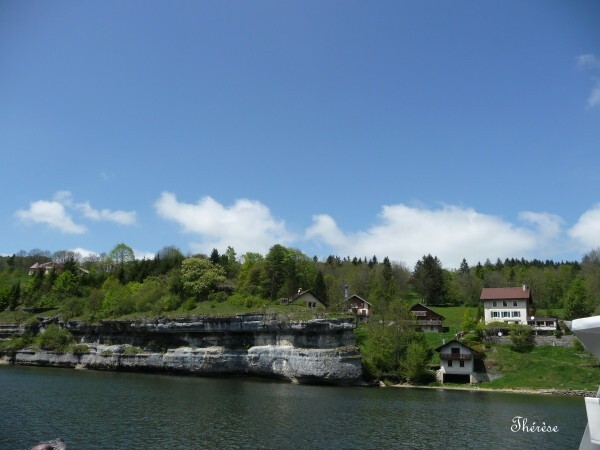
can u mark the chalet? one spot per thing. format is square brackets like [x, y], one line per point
[427, 318]
[308, 299]
[359, 306]
[509, 305]
[46, 267]
[457, 362]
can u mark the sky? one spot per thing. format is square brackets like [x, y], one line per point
[461, 129]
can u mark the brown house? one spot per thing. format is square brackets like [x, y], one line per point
[427, 318]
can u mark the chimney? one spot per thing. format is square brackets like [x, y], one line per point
[524, 288]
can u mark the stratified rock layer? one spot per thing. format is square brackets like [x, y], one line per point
[313, 351]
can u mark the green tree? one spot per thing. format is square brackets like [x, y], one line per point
[66, 285]
[200, 276]
[522, 337]
[320, 289]
[119, 258]
[576, 304]
[429, 281]
[414, 362]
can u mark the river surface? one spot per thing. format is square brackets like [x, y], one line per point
[107, 410]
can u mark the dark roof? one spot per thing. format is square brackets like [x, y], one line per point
[458, 342]
[505, 293]
[422, 306]
[358, 297]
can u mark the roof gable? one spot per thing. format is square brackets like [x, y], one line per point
[422, 307]
[358, 297]
[454, 342]
[505, 293]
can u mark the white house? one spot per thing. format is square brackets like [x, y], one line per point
[509, 305]
[457, 362]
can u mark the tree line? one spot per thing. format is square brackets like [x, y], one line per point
[116, 283]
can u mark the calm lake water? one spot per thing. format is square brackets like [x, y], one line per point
[105, 410]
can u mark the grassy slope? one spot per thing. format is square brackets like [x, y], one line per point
[545, 367]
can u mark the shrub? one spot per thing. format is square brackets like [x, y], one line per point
[80, 349]
[55, 338]
[522, 337]
[131, 350]
[188, 305]
[219, 297]
[106, 353]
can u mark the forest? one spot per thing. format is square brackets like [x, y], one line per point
[116, 284]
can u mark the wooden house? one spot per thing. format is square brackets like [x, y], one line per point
[427, 318]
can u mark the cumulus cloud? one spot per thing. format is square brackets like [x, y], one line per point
[588, 61]
[55, 213]
[120, 217]
[51, 213]
[451, 232]
[591, 63]
[247, 225]
[586, 232]
[594, 97]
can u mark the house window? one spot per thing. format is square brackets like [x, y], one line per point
[516, 313]
[462, 364]
[515, 303]
[494, 314]
[505, 313]
[504, 303]
[449, 363]
[312, 305]
[494, 303]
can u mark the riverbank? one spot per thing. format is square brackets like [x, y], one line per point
[477, 388]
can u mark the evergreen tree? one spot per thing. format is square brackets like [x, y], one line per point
[320, 289]
[428, 280]
[214, 256]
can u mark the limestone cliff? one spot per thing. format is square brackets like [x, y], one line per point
[313, 351]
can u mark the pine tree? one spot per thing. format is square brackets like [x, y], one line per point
[320, 288]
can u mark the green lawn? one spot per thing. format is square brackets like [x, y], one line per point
[545, 367]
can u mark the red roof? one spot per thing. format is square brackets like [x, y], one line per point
[505, 293]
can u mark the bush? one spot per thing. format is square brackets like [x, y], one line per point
[55, 338]
[188, 305]
[219, 297]
[80, 349]
[522, 337]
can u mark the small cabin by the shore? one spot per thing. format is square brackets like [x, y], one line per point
[427, 318]
[308, 299]
[457, 362]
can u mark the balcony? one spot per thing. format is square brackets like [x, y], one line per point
[455, 356]
[429, 322]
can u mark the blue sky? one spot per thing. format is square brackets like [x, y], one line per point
[462, 129]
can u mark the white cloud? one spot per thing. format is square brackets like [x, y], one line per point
[586, 232]
[450, 232]
[588, 61]
[246, 225]
[51, 213]
[594, 98]
[54, 213]
[591, 63]
[120, 217]
[85, 253]
[139, 254]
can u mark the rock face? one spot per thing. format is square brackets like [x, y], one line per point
[314, 351]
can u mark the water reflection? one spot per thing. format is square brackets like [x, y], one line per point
[120, 410]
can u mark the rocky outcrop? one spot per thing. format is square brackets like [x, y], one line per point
[314, 351]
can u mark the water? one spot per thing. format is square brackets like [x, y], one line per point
[104, 410]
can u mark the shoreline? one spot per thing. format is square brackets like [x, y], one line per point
[562, 392]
